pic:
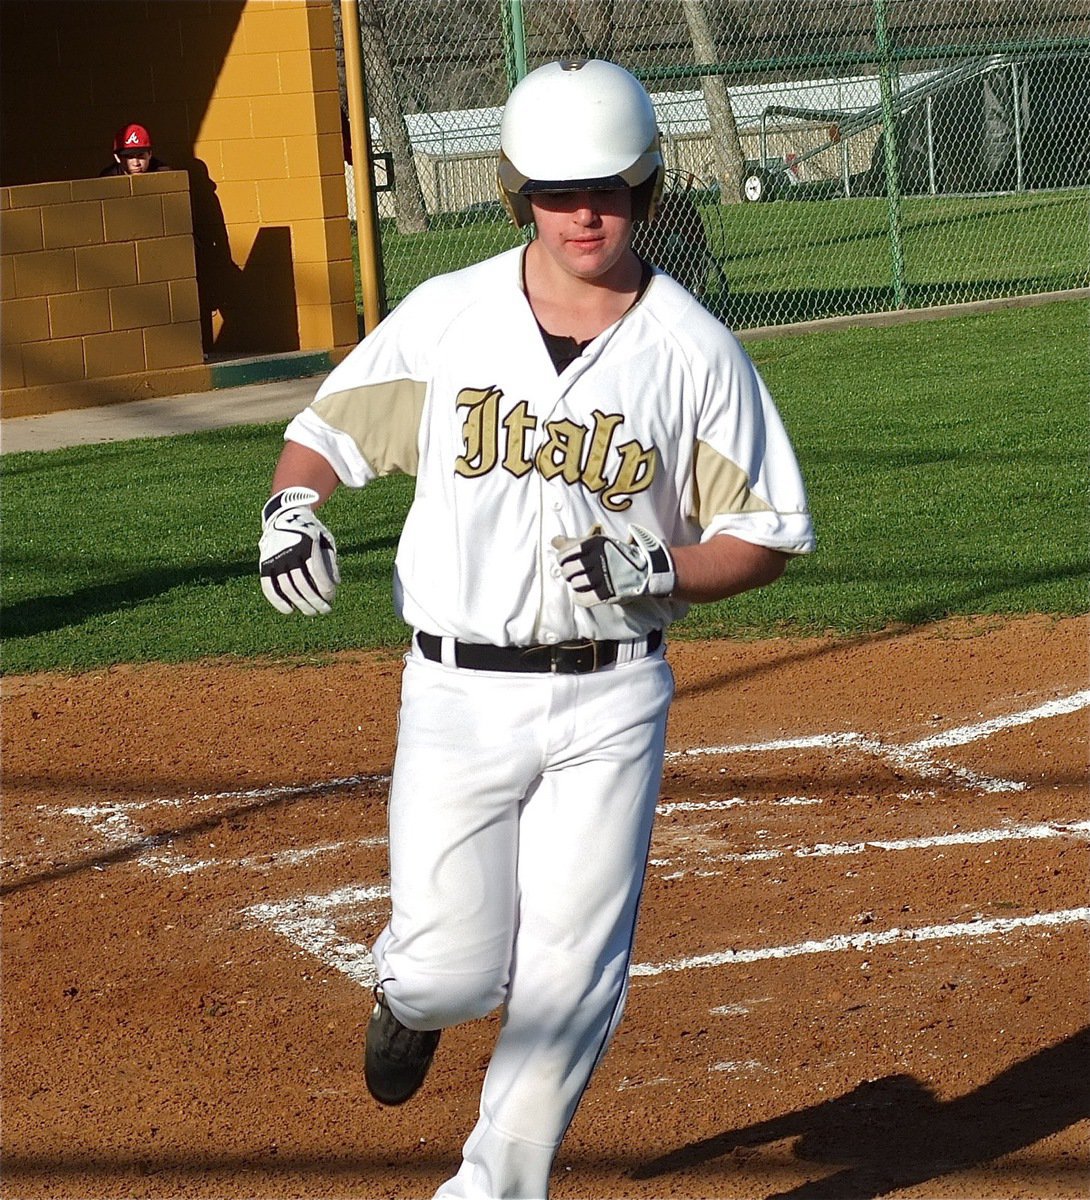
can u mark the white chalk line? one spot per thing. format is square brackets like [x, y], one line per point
[959, 736]
[112, 824]
[123, 836]
[743, 1066]
[977, 837]
[309, 922]
[903, 757]
[277, 791]
[666, 810]
[965, 734]
[868, 941]
[119, 834]
[914, 756]
[107, 819]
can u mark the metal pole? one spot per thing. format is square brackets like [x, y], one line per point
[514, 42]
[845, 157]
[1016, 102]
[893, 183]
[359, 129]
[931, 181]
[508, 44]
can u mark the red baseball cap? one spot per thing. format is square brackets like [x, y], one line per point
[131, 137]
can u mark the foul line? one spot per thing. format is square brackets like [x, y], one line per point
[971, 733]
[914, 756]
[867, 941]
[309, 923]
[977, 837]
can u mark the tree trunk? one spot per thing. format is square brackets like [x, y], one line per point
[726, 146]
[383, 105]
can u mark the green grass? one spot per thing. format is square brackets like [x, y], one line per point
[958, 239]
[790, 261]
[798, 261]
[409, 259]
[947, 464]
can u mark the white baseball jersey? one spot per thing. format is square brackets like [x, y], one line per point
[662, 421]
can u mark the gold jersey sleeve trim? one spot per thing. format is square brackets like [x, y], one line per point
[383, 419]
[720, 486]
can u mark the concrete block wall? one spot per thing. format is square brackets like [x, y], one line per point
[99, 290]
[270, 138]
[242, 96]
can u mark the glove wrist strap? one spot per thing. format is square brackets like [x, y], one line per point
[289, 497]
[661, 574]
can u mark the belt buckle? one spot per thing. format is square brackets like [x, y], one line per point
[530, 656]
[576, 655]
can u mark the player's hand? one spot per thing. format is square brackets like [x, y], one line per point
[299, 571]
[603, 570]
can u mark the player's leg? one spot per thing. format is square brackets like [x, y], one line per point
[584, 837]
[466, 754]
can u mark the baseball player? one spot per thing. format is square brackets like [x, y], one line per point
[593, 452]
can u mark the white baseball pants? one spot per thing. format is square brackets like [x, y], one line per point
[520, 820]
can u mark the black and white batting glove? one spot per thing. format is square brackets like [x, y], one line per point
[299, 571]
[603, 570]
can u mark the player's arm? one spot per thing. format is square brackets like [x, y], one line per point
[601, 569]
[723, 566]
[300, 466]
[298, 556]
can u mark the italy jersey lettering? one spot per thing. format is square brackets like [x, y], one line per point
[571, 451]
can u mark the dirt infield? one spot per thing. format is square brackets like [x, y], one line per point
[861, 967]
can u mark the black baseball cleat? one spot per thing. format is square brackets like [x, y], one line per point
[397, 1058]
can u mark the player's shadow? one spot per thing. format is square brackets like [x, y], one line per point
[895, 1133]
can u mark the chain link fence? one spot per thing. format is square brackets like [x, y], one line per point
[825, 157]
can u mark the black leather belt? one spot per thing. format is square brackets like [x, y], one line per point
[561, 658]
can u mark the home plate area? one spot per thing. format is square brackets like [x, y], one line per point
[859, 971]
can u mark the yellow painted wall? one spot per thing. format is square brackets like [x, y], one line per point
[99, 293]
[271, 141]
[242, 96]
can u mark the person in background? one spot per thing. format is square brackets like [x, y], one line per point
[132, 153]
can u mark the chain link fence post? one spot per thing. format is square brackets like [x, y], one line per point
[887, 82]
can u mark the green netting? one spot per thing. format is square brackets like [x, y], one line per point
[826, 157]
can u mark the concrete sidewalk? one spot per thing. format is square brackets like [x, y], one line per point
[250, 404]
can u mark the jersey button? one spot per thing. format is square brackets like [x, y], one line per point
[551, 638]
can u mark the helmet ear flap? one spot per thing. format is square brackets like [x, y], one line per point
[509, 180]
[518, 207]
[646, 195]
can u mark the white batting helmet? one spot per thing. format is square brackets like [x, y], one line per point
[579, 124]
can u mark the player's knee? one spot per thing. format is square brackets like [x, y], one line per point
[426, 1001]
